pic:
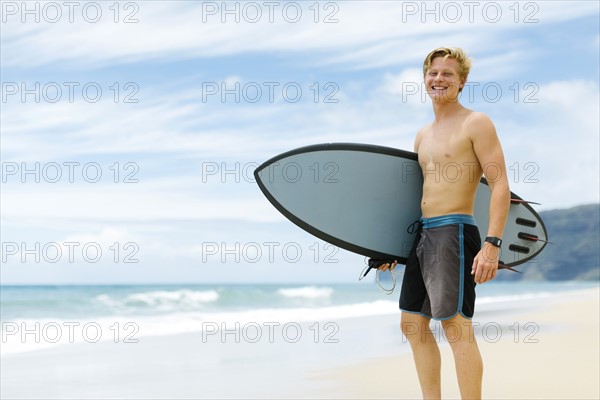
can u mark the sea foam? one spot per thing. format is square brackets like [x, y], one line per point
[307, 292]
[162, 300]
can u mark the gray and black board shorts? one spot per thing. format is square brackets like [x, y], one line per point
[437, 279]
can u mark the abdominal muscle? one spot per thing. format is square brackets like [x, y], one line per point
[443, 195]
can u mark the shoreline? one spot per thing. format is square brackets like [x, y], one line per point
[359, 357]
[192, 321]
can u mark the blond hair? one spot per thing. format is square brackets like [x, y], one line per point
[455, 53]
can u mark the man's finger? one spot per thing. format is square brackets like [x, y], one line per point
[486, 276]
[489, 272]
[474, 267]
[479, 273]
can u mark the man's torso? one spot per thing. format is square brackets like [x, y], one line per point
[450, 168]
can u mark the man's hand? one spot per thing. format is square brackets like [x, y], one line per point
[385, 267]
[485, 264]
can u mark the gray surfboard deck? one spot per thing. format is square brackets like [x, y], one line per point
[363, 198]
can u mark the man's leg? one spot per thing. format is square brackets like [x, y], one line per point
[425, 352]
[469, 366]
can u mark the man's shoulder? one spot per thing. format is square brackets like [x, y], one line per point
[419, 136]
[477, 117]
[422, 131]
[477, 123]
[425, 127]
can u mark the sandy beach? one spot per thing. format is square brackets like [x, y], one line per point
[541, 348]
[554, 355]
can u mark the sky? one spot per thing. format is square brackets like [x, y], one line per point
[130, 130]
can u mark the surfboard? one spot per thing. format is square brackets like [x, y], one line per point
[364, 198]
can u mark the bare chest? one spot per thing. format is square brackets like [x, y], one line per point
[445, 145]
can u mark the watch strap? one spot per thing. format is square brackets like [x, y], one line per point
[496, 241]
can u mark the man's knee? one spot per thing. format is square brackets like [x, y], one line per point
[458, 330]
[414, 327]
[410, 329]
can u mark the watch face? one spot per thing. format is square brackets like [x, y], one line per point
[494, 240]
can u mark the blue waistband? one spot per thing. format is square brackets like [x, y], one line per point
[449, 219]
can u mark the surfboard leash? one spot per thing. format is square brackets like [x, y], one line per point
[375, 264]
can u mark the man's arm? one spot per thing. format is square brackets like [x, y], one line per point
[491, 158]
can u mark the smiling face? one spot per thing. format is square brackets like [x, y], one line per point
[442, 79]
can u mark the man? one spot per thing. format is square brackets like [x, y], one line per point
[447, 260]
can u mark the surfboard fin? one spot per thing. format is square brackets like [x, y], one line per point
[501, 265]
[521, 201]
[532, 237]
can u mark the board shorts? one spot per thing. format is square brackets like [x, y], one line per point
[437, 279]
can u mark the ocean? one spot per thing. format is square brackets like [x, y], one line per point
[38, 317]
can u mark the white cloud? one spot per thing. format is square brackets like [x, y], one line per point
[367, 34]
[559, 137]
[105, 238]
[396, 83]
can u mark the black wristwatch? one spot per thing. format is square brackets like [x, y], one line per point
[494, 240]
